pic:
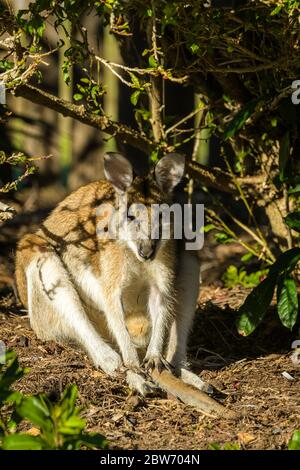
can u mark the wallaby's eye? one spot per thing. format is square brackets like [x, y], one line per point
[130, 217]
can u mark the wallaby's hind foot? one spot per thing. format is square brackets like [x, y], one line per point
[192, 379]
[139, 383]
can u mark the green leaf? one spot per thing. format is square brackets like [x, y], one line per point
[152, 61]
[294, 443]
[286, 261]
[276, 10]
[287, 301]
[154, 156]
[14, 397]
[72, 425]
[135, 80]
[226, 446]
[294, 190]
[35, 410]
[94, 441]
[246, 257]
[208, 228]
[68, 399]
[66, 76]
[6, 65]
[134, 97]
[81, 88]
[22, 442]
[10, 372]
[255, 306]
[40, 30]
[214, 446]
[284, 153]
[194, 48]
[274, 122]
[234, 277]
[223, 237]
[13, 421]
[77, 96]
[293, 220]
[239, 120]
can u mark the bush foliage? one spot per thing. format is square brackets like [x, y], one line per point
[52, 425]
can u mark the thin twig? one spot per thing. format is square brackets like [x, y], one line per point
[155, 91]
[186, 118]
[214, 217]
[111, 66]
[252, 69]
[155, 71]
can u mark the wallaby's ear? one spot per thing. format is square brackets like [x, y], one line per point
[169, 171]
[118, 171]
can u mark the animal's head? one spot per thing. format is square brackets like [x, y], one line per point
[136, 219]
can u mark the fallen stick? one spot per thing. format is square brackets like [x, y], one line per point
[191, 395]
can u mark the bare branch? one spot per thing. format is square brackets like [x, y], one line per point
[200, 107]
[78, 112]
[211, 177]
[251, 69]
[155, 91]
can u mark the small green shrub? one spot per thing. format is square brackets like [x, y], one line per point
[239, 277]
[280, 277]
[58, 425]
[294, 443]
[226, 446]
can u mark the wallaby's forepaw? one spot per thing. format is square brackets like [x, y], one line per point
[156, 362]
[139, 383]
[109, 362]
[192, 379]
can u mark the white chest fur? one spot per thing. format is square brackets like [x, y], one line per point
[134, 290]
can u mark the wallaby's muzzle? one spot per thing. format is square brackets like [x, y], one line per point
[146, 249]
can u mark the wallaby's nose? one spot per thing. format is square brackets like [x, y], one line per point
[146, 251]
[146, 254]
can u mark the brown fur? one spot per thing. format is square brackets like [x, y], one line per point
[70, 230]
[119, 298]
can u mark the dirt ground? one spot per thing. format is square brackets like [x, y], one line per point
[247, 373]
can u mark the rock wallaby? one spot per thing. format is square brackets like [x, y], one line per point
[129, 301]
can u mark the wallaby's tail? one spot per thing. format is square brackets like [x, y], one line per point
[191, 395]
